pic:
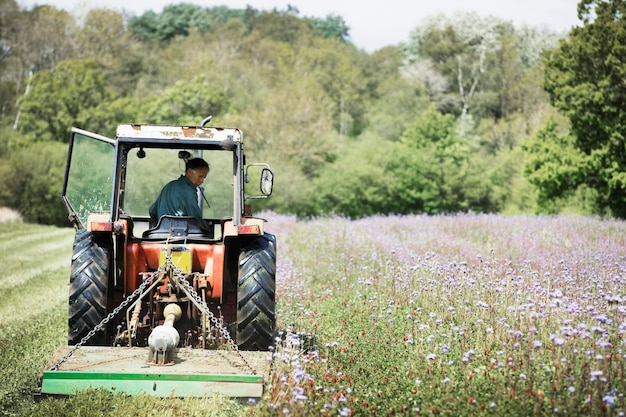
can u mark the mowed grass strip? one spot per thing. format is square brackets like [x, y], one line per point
[33, 326]
[27, 250]
[27, 346]
[16, 236]
[35, 269]
[35, 296]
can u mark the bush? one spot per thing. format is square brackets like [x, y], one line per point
[36, 189]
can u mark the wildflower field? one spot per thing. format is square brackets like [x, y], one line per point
[417, 316]
[452, 315]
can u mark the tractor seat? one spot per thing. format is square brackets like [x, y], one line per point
[177, 227]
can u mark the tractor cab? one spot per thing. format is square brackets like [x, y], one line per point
[122, 177]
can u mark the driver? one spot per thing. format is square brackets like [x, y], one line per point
[180, 196]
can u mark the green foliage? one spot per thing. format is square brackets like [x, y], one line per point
[584, 78]
[473, 64]
[432, 169]
[185, 103]
[336, 122]
[554, 165]
[44, 39]
[104, 38]
[36, 191]
[438, 172]
[281, 26]
[464, 52]
[356, 184]
[293, 128]
[396, 99]
[62, 98]
[181, 19]
[10, 19]
[333, 66]
[332, 26]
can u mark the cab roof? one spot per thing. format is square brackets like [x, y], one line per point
[218, 134]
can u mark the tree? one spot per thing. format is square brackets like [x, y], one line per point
[357, 184]
[396, 99]
[185, 103]
[474, 65]
[554, 165]
[585, 79]
[46, 39]
[41, 38]
[293, 128]
[336, 67]
[10, 24]
[332, 26]
[36, 189]
[175, 20]
[104, 39]
[182, 19]
[461, 49]
[438, 172]
[62, 98]
[282, 26]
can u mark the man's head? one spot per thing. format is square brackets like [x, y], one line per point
[196, 170]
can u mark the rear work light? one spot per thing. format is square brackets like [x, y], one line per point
[100, 226]
[251, 229]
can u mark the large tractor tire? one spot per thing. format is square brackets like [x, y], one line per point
[89, 281]
[256, 294]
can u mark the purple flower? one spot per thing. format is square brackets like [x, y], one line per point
[608, 400]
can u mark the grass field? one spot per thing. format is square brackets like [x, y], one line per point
[416, 315]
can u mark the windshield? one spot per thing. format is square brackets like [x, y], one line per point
[149, 169]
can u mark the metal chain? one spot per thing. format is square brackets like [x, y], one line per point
[187, 288]
[108, 318]
[197, 300]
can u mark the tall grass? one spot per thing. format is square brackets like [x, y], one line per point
[452, 315]
[415, 315]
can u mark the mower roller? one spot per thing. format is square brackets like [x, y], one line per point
[180, 306]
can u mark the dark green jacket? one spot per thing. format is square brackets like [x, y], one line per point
[177, 198]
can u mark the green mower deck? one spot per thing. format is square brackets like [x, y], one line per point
[195, 373]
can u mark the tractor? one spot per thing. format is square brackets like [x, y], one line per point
[157, 305]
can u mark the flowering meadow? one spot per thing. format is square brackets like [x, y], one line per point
[458, 315]
[449, 315]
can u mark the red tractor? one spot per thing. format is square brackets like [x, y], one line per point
[183, 282]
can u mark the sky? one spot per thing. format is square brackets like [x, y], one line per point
[373, 24]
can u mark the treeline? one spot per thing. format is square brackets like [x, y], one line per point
[442, 123]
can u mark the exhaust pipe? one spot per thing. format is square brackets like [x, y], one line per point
[165, 338]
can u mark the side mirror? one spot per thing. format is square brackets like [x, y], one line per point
[265, 177]
[267, 181]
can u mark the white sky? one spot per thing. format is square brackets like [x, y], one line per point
[373, 24]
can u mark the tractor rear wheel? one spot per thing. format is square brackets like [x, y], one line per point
[256, 294]
[89, 281]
